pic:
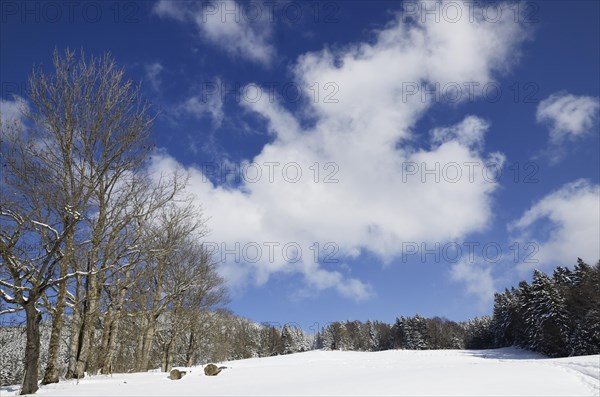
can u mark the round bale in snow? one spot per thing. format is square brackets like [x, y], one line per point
[211, 370]
[176, 374]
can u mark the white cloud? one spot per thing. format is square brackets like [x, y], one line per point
[170, 9]
[364, 141]
[153, 71]
[470, 132]
[569, 220]
[477, 278]
[223, 24]
[569, 116]
[12, 110]
[200, 106]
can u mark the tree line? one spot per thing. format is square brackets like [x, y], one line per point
[187, 340]
[407, 332]
[557, 315]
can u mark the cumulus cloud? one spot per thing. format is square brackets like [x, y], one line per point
[568, 116]
[199, 106]
[222, 24]
[470, 132]
[12, 110]
[477, 278]
[563, 225]
[352, 176]
[153, 71]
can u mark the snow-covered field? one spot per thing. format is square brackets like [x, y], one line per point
[497, 372]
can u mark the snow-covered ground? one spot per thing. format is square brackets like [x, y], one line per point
[397, 372]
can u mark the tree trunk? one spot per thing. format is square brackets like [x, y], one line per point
[152, 319]
[114, 329]
[148, 342]
[32, 348]
[168, 349]
[106, 335]
[87, 332]
[172, 344]
[165, 357]
[51, 374]
[92, 291]
[189, 354]
[111, 347]
[140, 343]
[75, 331]
[169, 360]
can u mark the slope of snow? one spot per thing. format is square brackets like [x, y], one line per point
[397, 372]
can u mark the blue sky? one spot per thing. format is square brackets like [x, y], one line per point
[370, 94]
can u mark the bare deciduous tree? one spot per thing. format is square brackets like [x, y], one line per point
[169, 248]
[87, 231]
[34, 233]
[197, 287]
[87, 126]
